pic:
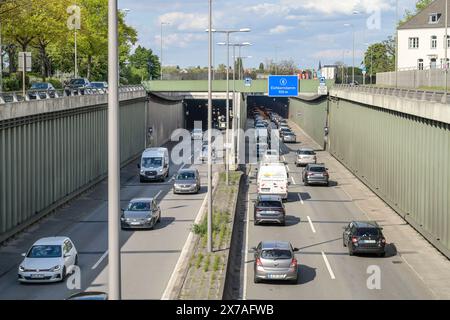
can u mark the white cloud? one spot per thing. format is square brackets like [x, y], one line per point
[185, 21]
[280, 29]
[266, 9]
[336, 54]
[179, 40]
[330, 7]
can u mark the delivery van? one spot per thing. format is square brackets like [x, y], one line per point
[273, 179]
[155, 165]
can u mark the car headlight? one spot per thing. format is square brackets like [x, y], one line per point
[55, 268]
[21, 269]
[149, 219]
[160, 170]
[122, 219]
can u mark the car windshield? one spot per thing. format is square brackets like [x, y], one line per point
[139, 206]
[151, 162]
[40, 85]
[317, 169]
[367, 232]
[77, 81]
[276, 254]
[186, 176]
[44, 251]
[306, 152]
[271, 204]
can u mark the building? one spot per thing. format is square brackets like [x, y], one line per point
[421, 40]
[329, 72]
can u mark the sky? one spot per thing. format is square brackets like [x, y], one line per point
[306, 31]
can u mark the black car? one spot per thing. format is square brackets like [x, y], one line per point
[78, 86]
[269, 209]
[315, 174]
[41, 89]
[364, 237]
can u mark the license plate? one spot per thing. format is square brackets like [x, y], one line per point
[369, 241]
[275, 276]
[265, 189]
[135, 223]
[37, 276]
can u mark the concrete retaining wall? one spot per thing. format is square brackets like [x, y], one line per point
[413, 79]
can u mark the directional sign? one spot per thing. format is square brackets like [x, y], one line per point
[283, 86]
[27, 61]
[322, 81]
[248, 82]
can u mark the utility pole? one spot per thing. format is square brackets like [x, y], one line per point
[113, 155]
[209, 218]
[446, 50]
[1, 60]
[76, 56]
[396, 46]
[227, 115]
[161, 38]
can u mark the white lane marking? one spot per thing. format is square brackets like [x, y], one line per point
[300, 198]
[287, 168]
[311, 224]
[182, 259]
[330, 271]
[158, 194]
[100, 260]
[244, 295]
[293, 181]
[284, 159]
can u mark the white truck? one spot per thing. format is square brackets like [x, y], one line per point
[273, 179]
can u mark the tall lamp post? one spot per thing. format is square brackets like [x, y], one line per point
[446, 50]
[161, 38]
[353, 40]
[371, 61]
[227, 151]
[210, 208]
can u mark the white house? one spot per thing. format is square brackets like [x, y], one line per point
[329, 72]
[421, 40]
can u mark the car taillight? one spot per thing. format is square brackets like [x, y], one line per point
[354, 239]
[383, 240]
[258, 262]
[258, 209]
[310, 174]
[325, 174]
[293, 263]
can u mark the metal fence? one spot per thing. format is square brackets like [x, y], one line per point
[424, 95]
[30, 95]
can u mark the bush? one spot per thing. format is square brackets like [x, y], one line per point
[11, 83]
[56, 83]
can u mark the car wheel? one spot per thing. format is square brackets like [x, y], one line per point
[64, 274]
[76, 260]
[141, 179]
[343, 243]
[283, 223]
[294, 281]
[256, 280]
[382, 254]
[306, 183]
[159, 218]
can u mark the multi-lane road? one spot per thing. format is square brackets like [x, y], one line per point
[148, 256]
[315, 218]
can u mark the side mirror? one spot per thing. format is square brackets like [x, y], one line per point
[296, 249]
[23, 254]
[139, 165]
[253, 249]
[67, 255]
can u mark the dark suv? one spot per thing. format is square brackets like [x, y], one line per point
[78, 86]
[315, 174]
[269, 209]
[364, 237]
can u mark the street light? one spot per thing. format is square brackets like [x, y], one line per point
[371, 60]
[446, 50]
[210, 207]
[353, 63]
[162, 24]
[227, 32]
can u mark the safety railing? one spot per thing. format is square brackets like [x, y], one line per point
[30, 95]
[424, 95]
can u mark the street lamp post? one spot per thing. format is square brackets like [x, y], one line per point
[353, 40]
[210, 208]
[113, 155]
[446, 50]
[1, 60]
[227, 150]
[161, 38]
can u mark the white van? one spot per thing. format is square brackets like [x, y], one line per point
[273, 179]
[154, 164]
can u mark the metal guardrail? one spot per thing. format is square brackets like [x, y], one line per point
[424, 95]
[30, 95]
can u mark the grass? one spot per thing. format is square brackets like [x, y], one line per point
[199, 260]
[206, 263]
[216, 263]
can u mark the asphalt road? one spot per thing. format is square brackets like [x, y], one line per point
[148, 256]
[316, 216]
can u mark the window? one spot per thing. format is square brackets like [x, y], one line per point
[420, 64]
[433, 63]
[413, 43]
[448, 41]
[434, 18]
[433, 42]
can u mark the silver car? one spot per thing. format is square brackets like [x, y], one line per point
[275, 260]
[142, 213]
[305, 156]
[187, 181]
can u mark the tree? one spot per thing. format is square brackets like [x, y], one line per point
[378, 58]
[261, 67]
[146, 63]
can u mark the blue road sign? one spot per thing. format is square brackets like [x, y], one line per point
[322, 80]
[283, 86]
[248, 82]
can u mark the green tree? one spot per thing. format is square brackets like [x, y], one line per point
[145, 61]
[378, 59]
[261, 67]
[420, 5]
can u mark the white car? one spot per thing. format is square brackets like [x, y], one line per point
[271, 156]
[305, 156]
[48, 260]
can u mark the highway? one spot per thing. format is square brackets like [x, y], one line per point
[315, 218]
[148, 256]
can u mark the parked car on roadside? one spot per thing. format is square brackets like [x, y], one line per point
[142, 213]
[41, 89]
[48, 260]
[364, 237]
[315, 174]
[78, 86]
[269, 209]
[275, 260]
[187, 181]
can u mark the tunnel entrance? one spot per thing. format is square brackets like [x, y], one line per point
[278, 105]
[197, 110]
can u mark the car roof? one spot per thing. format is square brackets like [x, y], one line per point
[315, 165]
[188, 170]
[142, 200]
[51, 241]
[306, 149]
[275, 245]
[157, 151]
[366, 224]
[269, 197]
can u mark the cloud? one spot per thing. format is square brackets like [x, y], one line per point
[268, 9]
[280, 29]
[185, 21]
[332, 7]
[336, 54]
[179, 40]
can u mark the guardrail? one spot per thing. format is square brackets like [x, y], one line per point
[30, 95]
[425, 95]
